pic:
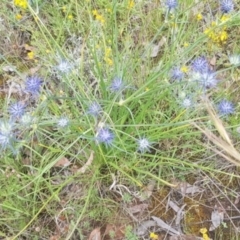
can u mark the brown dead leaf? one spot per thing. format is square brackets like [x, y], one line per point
[165, 226]
[33, 71]
[87, 164]
[54, 237]
[95, 234]
[213, 61]
[217, 218]
[186, 188]
[156, 47]
[118, 230]
[138, 208]
[185, 237]
[28, 47]
[147, 191]
[143, 228]
[62, 162]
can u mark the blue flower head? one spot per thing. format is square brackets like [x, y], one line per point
[225, 107]
[17, 110]
[234, 59]
[171, 4]
[200, 64]
[105, 136]
[143, 145]
[94, 109]
[64, 67]
[177, 73]
[226, 6]
[62, 122]
[6, 134]
[116, 85]
[187, 102]
[33, 85]
[207, 79]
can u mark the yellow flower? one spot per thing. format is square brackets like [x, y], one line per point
[186, 44]
[199, 17]
[100, 18]
[18, 16]
[21, 3]
[130, 4]
[203, 231]
[64, 8]
[94, 12]
[223, 36]
[30, 55]
[108, 61]
[224, 18]
[153, 236]
[70, 17]
[184, 69]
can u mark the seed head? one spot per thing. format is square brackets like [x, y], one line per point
[226, 6]
[105, 136]
[225, 107]
[143, 145]
[33, 85]
[17, 109]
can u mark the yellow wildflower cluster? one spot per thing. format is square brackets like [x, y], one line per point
[18, 16]
[184, 69]
[217, 35]
[153, 236]
[107, 57]
[98, 16]
[30, 55]
[130, 4]
[199, 17]
[21, 3]
[203, 231]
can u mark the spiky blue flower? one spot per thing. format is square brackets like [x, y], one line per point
[116, 85]
[27, 120]
[177, 73]
[94, 109]
[207, 79]
[6, 134]
[234, 59]
[143, 145]
[33, 85]
[64, 66]
[4, 140]
[171, 4]
[17, 109]
[200, 64]
[226, 6]
[225, 107]
[105, 136]
[187, 102]
[62, 122]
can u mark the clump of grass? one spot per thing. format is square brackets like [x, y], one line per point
[124, 80]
